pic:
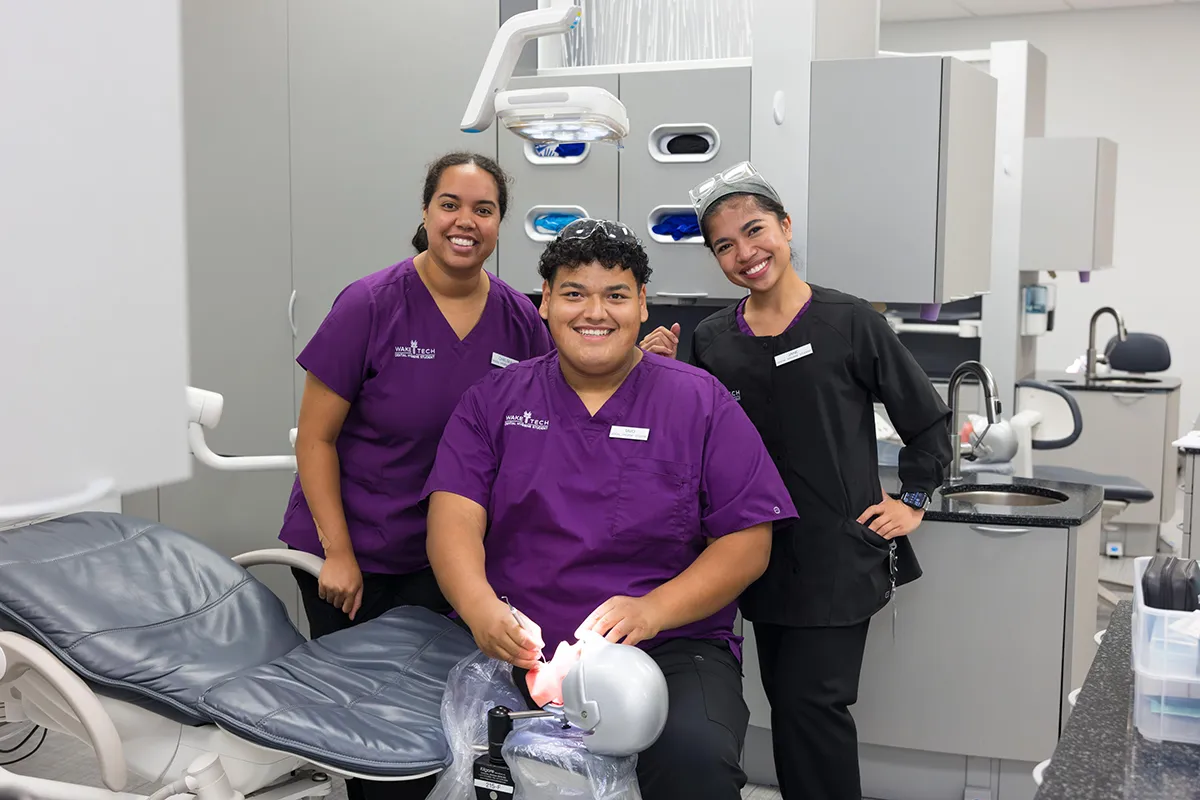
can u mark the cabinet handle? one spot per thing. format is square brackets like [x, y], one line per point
[998, 529]
[681, 294]
[1129, 395]
[292, 312]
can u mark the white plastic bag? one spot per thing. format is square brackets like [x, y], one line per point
[546, 759]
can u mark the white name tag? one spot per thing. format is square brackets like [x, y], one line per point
[792, 355]
[634, 434]
[502, 361]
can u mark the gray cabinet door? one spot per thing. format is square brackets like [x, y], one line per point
[544, 185]
[719, 98]
[235, 512]
[378, 90]
[976, 664]
[1122, 434]
[235, 81]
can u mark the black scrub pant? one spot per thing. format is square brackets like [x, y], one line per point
[381, 593]
[698, 755]
[811, 679]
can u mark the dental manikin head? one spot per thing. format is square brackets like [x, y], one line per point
[614, 693]
[994, 443]
[744, 224]
[594, 277]
[464, 198]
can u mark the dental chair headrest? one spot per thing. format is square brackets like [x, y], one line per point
[617, 695]
[1140, 352]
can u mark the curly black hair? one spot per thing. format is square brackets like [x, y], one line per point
[609, 253]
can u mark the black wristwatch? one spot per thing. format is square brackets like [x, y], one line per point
[917, 500]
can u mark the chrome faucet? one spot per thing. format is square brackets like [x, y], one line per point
[1090, 375]
[991, 403]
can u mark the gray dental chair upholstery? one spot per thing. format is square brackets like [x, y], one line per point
[148, 614]
[1139, 353]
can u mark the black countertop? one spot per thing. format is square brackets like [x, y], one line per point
[1101, 756]
[1115, 382]
[1079, 501]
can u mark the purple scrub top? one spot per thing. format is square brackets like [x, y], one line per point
[744, 326]
[387, 349]
[583, 508]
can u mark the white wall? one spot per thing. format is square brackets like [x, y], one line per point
[1130, 75]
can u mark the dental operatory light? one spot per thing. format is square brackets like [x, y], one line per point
[549, 114]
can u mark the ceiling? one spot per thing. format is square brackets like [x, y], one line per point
[911, 10]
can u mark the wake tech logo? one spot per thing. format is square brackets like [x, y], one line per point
[412, 351]
[526, 420]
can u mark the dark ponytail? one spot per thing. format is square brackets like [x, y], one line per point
[420, 239]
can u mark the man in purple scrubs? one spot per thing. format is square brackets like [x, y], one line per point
[600, 486]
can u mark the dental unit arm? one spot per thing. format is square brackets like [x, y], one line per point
[204, 411]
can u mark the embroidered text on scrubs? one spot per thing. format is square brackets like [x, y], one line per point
[412, 351]
[527, 420]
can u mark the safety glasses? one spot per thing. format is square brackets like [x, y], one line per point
[586, 227]
[738, 172]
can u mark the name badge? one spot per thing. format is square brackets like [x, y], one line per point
[502, 361]
[633, 434]
[792, 355]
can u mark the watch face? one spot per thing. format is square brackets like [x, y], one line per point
[914, 499]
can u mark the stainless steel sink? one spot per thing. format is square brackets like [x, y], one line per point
[1003, 497]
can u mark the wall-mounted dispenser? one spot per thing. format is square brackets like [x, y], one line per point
[1037, 305]
[671, 224]
[542, 223]
[684, 143]
[552, 153]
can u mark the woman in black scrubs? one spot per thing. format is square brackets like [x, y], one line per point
[807, 364]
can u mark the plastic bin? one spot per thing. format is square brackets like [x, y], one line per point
[1166, 710]
[1166, 666]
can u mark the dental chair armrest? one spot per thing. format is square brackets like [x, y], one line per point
[19, 654]
[1072, 404]
[282, 557]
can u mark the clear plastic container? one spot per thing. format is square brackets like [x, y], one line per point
[1166, 666]
[1158, 650]
[1167, 710]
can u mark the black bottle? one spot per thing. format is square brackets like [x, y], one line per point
[493, 778]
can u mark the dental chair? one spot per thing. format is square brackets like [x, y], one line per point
[176, 665]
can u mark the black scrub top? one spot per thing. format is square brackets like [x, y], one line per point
[810, 392]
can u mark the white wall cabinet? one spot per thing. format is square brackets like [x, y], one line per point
[1068, 205]
[901, 175]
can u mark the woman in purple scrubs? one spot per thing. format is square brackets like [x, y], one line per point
[385, 371]
[620, 491]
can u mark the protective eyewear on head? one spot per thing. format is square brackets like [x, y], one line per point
[738, 172]
[586, 227]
